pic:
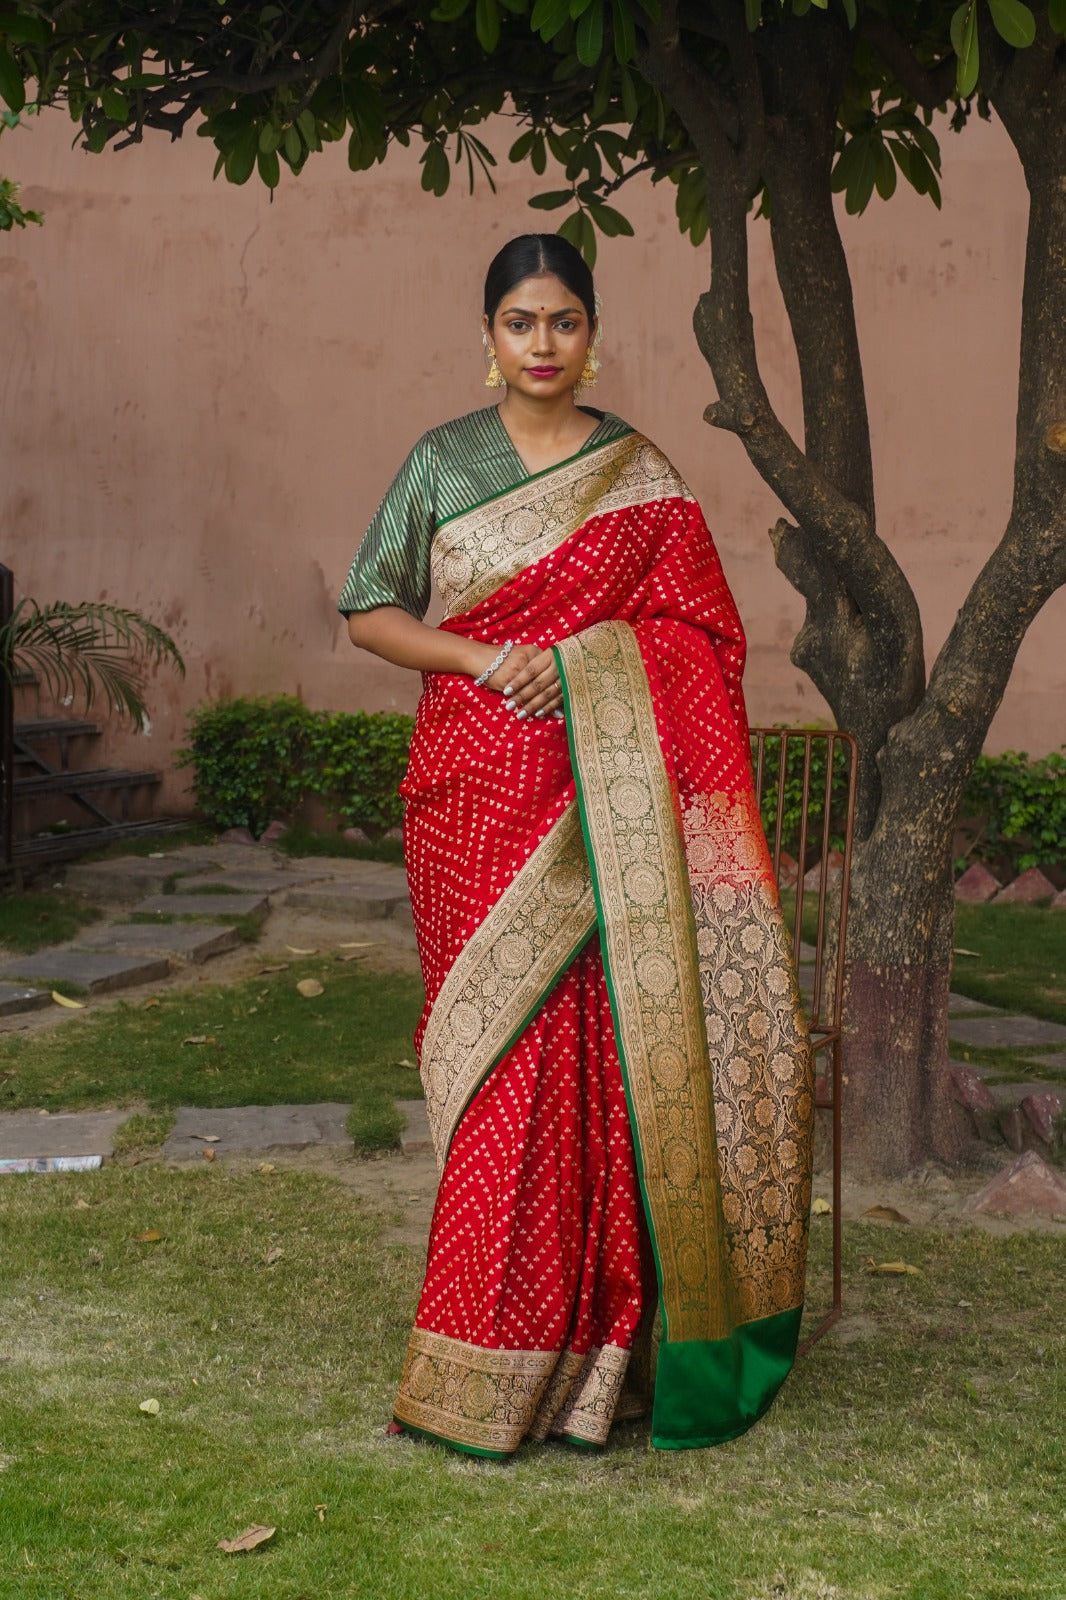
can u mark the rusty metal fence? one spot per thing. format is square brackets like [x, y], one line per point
[7, 730]
[805, 781]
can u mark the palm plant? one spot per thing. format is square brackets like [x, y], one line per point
[83, 649]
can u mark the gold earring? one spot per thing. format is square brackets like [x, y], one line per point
[589, 371]
[494, 378]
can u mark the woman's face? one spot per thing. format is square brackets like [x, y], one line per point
[541, 334]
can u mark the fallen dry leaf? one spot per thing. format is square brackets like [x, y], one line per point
[71, 1005]
[266, 1166]
[209, 1155]
[820, 1207]
[199, 1038]
[322, 1512]
[349, 955]
[208, 1138]
[298, 950]
[959, 951]
[894, 1268]
[81, 1205]
[149, 1406]
[357, 944]
[246, 1540]
[149, 1236]
[412, 1064]
[284, 967]
[310, 988]
[151, 1001]
[886, 1214]
[273, 1255]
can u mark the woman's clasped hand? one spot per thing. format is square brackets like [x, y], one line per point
[529, 682]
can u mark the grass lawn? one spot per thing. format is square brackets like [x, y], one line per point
[1020, 962]
[31, 919]
[258, 1042]
[920, 1456]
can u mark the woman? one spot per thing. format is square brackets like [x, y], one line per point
[615, 1064]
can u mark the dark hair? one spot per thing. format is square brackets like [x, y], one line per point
[530, 255]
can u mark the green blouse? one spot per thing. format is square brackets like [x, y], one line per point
[451, 469]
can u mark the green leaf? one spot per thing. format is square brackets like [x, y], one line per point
[448, 10]
[115, 105]
[241, 156]
[630, 100]
[610, 222]
[588, 245]
[269, 138]
[1014, 22]
[436, 173]
[11, 85]
[1056, 15]
[851, 12]
[292, 145]
[21, 29]
[886, 174]
[552, 199]
[752, 14]
[590, 35]
[487, 23]
[522, 146]
[549, 18]
[269, 168]
[571, 229]
[625, 34]
[966, 44]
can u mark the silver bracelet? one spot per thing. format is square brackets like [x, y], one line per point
[494, 666]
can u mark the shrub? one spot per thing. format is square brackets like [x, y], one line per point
[1021, 810]
[360, 758]
[255, 759]
[250, 759]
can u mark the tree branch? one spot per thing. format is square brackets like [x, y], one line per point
[929, 87]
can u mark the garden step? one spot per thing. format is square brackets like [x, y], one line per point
[358, 897]
[250, 881]
[1007, 1032]
[182, 941]
[204, 905]
[95, 970]
[124, 879]
[960, 1005]
[1055, 1062]
[32, 1140]
[244, 1128]
[16, 998]
[414, 1138]
[71, 782]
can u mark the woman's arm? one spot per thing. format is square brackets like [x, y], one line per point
[396, 636]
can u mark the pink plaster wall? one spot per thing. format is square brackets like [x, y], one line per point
[203, 396]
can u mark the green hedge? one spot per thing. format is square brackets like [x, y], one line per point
[1018, 809]
[255, 759]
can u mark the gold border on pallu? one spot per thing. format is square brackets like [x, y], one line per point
[481, 550]
[503, 973]
[493, 1399]
[649, 945]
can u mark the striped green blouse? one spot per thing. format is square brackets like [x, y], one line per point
[451, 469]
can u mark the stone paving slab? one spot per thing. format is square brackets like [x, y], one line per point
[203, 905]
[244, 1128]
[185, 941]
[1007, 1032]
[414, 1137]
[17, 997]
[124, 879]
[257, 882]
[1056, 1062]
[1012, 1094]
[95, 970]
[63, 1133]
[960, 1005]
[357, 899]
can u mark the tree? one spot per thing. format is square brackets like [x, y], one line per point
[769, 103]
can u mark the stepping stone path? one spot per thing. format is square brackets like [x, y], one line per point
[66, 1141]
[245, 1129]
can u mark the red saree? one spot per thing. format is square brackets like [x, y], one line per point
[615, 1062]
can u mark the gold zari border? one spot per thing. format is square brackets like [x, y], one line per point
[483, 549]
[493, 1399]
[649, 945]
[505, 968]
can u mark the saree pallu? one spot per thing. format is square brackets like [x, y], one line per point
[615, 1061]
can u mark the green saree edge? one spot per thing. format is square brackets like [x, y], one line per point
[733, 1381]
[451, 1444]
